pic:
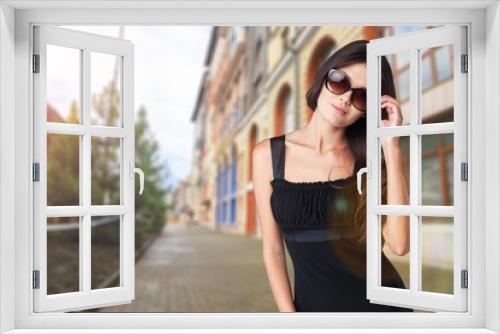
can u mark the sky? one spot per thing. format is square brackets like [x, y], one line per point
[169, 62]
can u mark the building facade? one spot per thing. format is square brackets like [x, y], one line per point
[255, 87]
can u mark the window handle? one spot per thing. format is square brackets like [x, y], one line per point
[360, 172]
[139, 171]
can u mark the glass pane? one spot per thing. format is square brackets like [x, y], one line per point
[437, 254]
[105, 164]
[63, 84]
[105, 82]
[437, 169]
[63, 167]
[400, 68]
[436, 82]
[63, 254]
[404, 147]
[105, 259]
[407, 29]
[444, 62]
[395, 265]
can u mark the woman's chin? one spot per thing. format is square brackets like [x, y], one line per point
[334, 120]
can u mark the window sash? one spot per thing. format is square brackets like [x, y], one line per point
[412, 297]
[86, 297]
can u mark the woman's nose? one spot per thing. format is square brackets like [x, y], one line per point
[346, 97]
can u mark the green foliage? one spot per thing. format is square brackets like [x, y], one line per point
[63, 166]
[151, 207]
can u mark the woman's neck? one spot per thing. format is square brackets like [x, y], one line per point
[324, 137]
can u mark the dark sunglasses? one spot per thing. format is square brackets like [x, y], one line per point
[338, 83]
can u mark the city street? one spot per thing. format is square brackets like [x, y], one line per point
[191, 268]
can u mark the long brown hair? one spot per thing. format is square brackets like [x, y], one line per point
[352, 53]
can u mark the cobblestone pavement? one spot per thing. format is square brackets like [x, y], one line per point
[191, 268]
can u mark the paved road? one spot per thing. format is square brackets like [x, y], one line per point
[194, 269]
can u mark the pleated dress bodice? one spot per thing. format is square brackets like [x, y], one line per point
[324, 206]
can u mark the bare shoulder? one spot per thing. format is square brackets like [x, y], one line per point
[261, 157]
[262, 151]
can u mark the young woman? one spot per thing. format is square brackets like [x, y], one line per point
[305, 189]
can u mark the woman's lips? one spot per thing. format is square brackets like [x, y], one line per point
[338, 111]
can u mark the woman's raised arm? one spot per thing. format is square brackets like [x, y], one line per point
[396, 229]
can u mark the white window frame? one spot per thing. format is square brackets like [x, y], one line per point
[413, 296]
[85, 43]
[16, 18]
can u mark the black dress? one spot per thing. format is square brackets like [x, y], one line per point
[316, 222]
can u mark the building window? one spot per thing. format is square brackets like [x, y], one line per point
[225, 184]
[218, 197]
[234, 186]
[289, 111]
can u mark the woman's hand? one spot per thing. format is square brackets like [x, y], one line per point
[395, 118]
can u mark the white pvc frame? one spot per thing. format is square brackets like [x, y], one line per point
[414, 296]
[86, 297]
[484, 18]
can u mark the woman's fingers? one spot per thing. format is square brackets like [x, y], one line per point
[385, 98]
[391, 105]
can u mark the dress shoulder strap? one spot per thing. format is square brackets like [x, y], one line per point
[278, 156]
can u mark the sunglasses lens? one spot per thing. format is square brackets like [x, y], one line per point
[337, 82]
[359, 99]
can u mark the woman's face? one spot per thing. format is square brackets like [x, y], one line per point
[338, 109]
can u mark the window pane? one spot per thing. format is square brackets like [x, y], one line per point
[105, 259]
[436, 96]
[400, 68]
[63, 84]
[63, 254]
[403, 89]
[407, 29]
[449, 165]
[404, 146]
[105, 159]
[437, 169]
[395, 265]
[63, 167]
[426, 73]
[105, 81]
[437, 254]
[444, 62]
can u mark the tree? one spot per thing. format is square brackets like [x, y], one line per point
[151, 206]
[105, 152]
[63, 165]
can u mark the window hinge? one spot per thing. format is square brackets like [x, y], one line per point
[36, 171]
[464, 171]
[464, 60]
[36, 279]
[465, 279]
[36, 63]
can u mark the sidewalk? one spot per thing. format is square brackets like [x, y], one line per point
[194, 269]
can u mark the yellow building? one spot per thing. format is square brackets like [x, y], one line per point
[255, 87]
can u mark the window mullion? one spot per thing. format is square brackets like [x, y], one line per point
[415, 172]
[87, 177]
